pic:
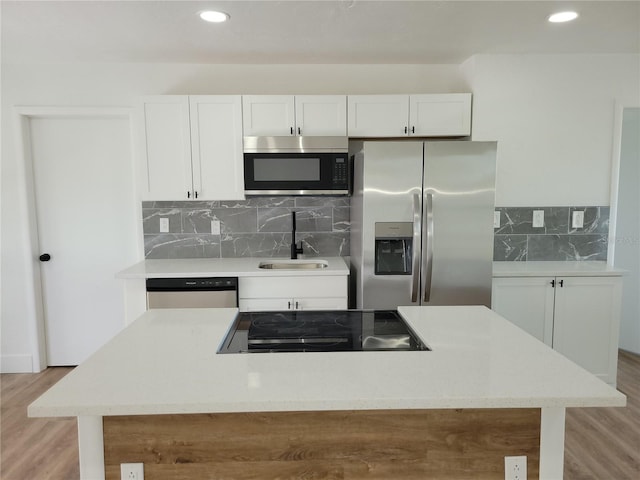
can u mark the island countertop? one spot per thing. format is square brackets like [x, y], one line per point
[166, 362]
[227, 267]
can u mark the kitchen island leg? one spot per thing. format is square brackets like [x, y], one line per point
[91, 448]
[552, 443]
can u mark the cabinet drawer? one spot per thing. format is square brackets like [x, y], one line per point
[279, 287]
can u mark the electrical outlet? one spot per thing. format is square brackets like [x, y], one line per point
[215, 227]
[132, 471]
[164, 225]
[538, 218]
[577, 219]
[496, 219]
[515, 468]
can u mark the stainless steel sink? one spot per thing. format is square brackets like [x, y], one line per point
[293, 264]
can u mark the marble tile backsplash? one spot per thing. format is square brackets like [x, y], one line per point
[261, 227]
[256, 227]
[517, 240]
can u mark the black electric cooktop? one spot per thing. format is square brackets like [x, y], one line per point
[320, 331]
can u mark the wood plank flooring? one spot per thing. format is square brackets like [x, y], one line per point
[601, 443]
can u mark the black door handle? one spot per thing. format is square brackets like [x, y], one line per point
[45, 257]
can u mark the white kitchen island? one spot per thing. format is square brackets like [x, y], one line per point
[164, 365]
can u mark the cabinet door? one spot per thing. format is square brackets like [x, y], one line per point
[378, 115]
[440, 115]
[319, 286]
[527, 302]
[264, 304]
[270, 115]
[321, 115]
[587, 322]
[165, 148]
[333, 303]
[216, 142]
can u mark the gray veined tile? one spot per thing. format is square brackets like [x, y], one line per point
[322, 201]
[236, 220]
[327, 244]
[596, 220]
[316, 219]
[519, 220]
[256, 202]
[341, 219]
[307, 219]
[197, 220]
[567, 247]
[275, 219]
[255, 245]
[151, 220]
[510, 248]
[181, 246]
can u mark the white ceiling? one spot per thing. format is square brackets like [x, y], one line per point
[290, 31]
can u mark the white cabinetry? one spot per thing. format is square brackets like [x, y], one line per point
[286, 115]
[192, 147]
[292, 293]
[427, 115]
[527, 302]
[578, 316]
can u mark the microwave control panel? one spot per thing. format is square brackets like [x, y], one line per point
[340, 171]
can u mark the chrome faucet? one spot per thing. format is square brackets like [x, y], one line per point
[294, 249]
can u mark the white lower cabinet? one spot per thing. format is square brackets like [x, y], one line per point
[292, 293]
[577, 316]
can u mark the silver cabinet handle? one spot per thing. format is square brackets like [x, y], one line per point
[415, 260]
[428, 236]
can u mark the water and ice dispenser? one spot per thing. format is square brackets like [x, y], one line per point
[393, 248]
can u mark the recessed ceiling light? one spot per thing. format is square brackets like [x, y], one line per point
[213, 16]
[563, 17]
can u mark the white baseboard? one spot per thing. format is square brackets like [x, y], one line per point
[16, 364]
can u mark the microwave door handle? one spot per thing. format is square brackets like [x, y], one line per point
[415, 251]
[428, 247]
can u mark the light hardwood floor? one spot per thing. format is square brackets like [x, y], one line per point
[601, 443]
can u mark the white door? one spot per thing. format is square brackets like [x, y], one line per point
[86, 222]
[321, 115]
[587, 322]
[378, 115]
[527, 302]
[216, 138]
[268, 115]
[440, 115]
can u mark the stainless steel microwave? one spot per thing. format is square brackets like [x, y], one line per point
[297, 166]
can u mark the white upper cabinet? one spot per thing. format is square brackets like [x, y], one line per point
[321, 115]
[216, 147]
[282, 115]
[378, 115]
[428, 115]
[165, 148]
[440, 115]
[191, 147]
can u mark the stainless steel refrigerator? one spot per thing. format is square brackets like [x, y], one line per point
[422, 223]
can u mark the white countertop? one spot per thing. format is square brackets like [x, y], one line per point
[560, 269]
[227, 267]
[166, 362]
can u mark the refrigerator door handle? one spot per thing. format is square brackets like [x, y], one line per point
[428, 248]
[415, 267]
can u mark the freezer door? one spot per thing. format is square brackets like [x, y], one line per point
[457, 235]
[392, 200]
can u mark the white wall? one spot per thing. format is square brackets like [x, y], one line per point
[119, 85]
[553, 118]
[627, 238]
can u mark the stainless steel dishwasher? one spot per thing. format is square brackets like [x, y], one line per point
[205, 292]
